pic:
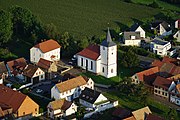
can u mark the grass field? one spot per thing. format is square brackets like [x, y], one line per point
[84, 17]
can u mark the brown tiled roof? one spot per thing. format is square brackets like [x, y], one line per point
[30, 70]
[62, 104]
[3, 68]
[140, 114]
[153, 117]
[157, 63]
[166, 59]
[19, 63]
[121, 113]
[178, 87]
[11, 98]
[45, 64]
[91, 52]
[48, 45]
[147, 73]
[162, 82]
[130, 118]
[72, 83]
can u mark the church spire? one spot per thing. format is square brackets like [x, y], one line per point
[108, 36]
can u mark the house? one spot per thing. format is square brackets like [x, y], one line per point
[3, 72]
[174, 91]
[161, 87]
[132, 38]
[146, 76]
[137, 28]
[49, 50]
[100, 59]
[33, 74]
[160, 47]
[21, 105]
[48, 66]
[140, 114]
[71, 89]
[177, 24]
[92, 99]
[177, 36]
[161, 28]
[61, 108]
[16, 67]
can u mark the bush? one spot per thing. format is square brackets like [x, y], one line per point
[154, 4]
[16, 85]
[41, 110]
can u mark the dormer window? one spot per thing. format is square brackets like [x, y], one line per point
[103, 48]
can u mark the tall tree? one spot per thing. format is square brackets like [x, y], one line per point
[5, 27]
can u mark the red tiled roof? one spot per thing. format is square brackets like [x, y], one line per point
[178, 87]
[91, 52]
[157, 63]
[11, 98]
[166, 59]
[30, 70]
[149, 72]
[44, 63]
[153, 117]
[162, 82]
[17, 63]
[48, 45]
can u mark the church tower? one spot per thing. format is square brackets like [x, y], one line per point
[108, 52]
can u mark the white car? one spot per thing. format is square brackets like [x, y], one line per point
[39, 91]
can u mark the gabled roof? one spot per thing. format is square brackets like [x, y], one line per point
[127, 35]
[30, 70]
[48, 45]
[153, 117]
[3, 68]
[162, 82]
[166, 26]
[157, 63]
[71, 83]
[89, 95]
[140, 114]
[45, 64]
[167, 59]
[11, 98]
[178, 88]
[134, 27]
[62, 104]
[17, 63]
[130, 118]
[108, 42]
[91, 52]
[159, 41]
[147, 73]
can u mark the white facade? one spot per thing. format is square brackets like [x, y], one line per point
[61, 113]
[94, 105]
[135, 79]
[177, 22]
[142, 32]
[177, 35]
[1, 81]
[160, 49]
[36, 54]
[133, 42]
[108, 65]
[174, 94]
[163, 31]
[70, 94]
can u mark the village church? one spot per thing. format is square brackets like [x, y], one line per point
[100, 59]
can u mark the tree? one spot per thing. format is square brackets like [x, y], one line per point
[80, 113]
[83, 43]
[50, 31]
[130, 59]
[5, 27]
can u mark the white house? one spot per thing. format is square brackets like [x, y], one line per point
[132, 38]
[100, 59]
[160, 47]
[3, 72]
[175, 93]
[138, 28]
[49, 50]
[71, 88]
[61, 108]
[161, 28]
[177, 35]
[177, 24]
[33, 74]
[92, 99]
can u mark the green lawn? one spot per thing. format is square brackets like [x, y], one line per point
[130, 103]
[84, 17]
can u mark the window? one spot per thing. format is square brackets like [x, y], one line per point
[66, 92]
[81, 61]
[112, 53]
[39, 72]
[158, 92]
[162, 93]
[166, 94]
[23, 113]
[155, 91]
[39, 55]
[62, 93]
[91, 65]
[42, 76]
[103, 48]
[103, 69]
[111, 70]
[35, 109]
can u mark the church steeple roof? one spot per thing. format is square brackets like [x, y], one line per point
[108, 42]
